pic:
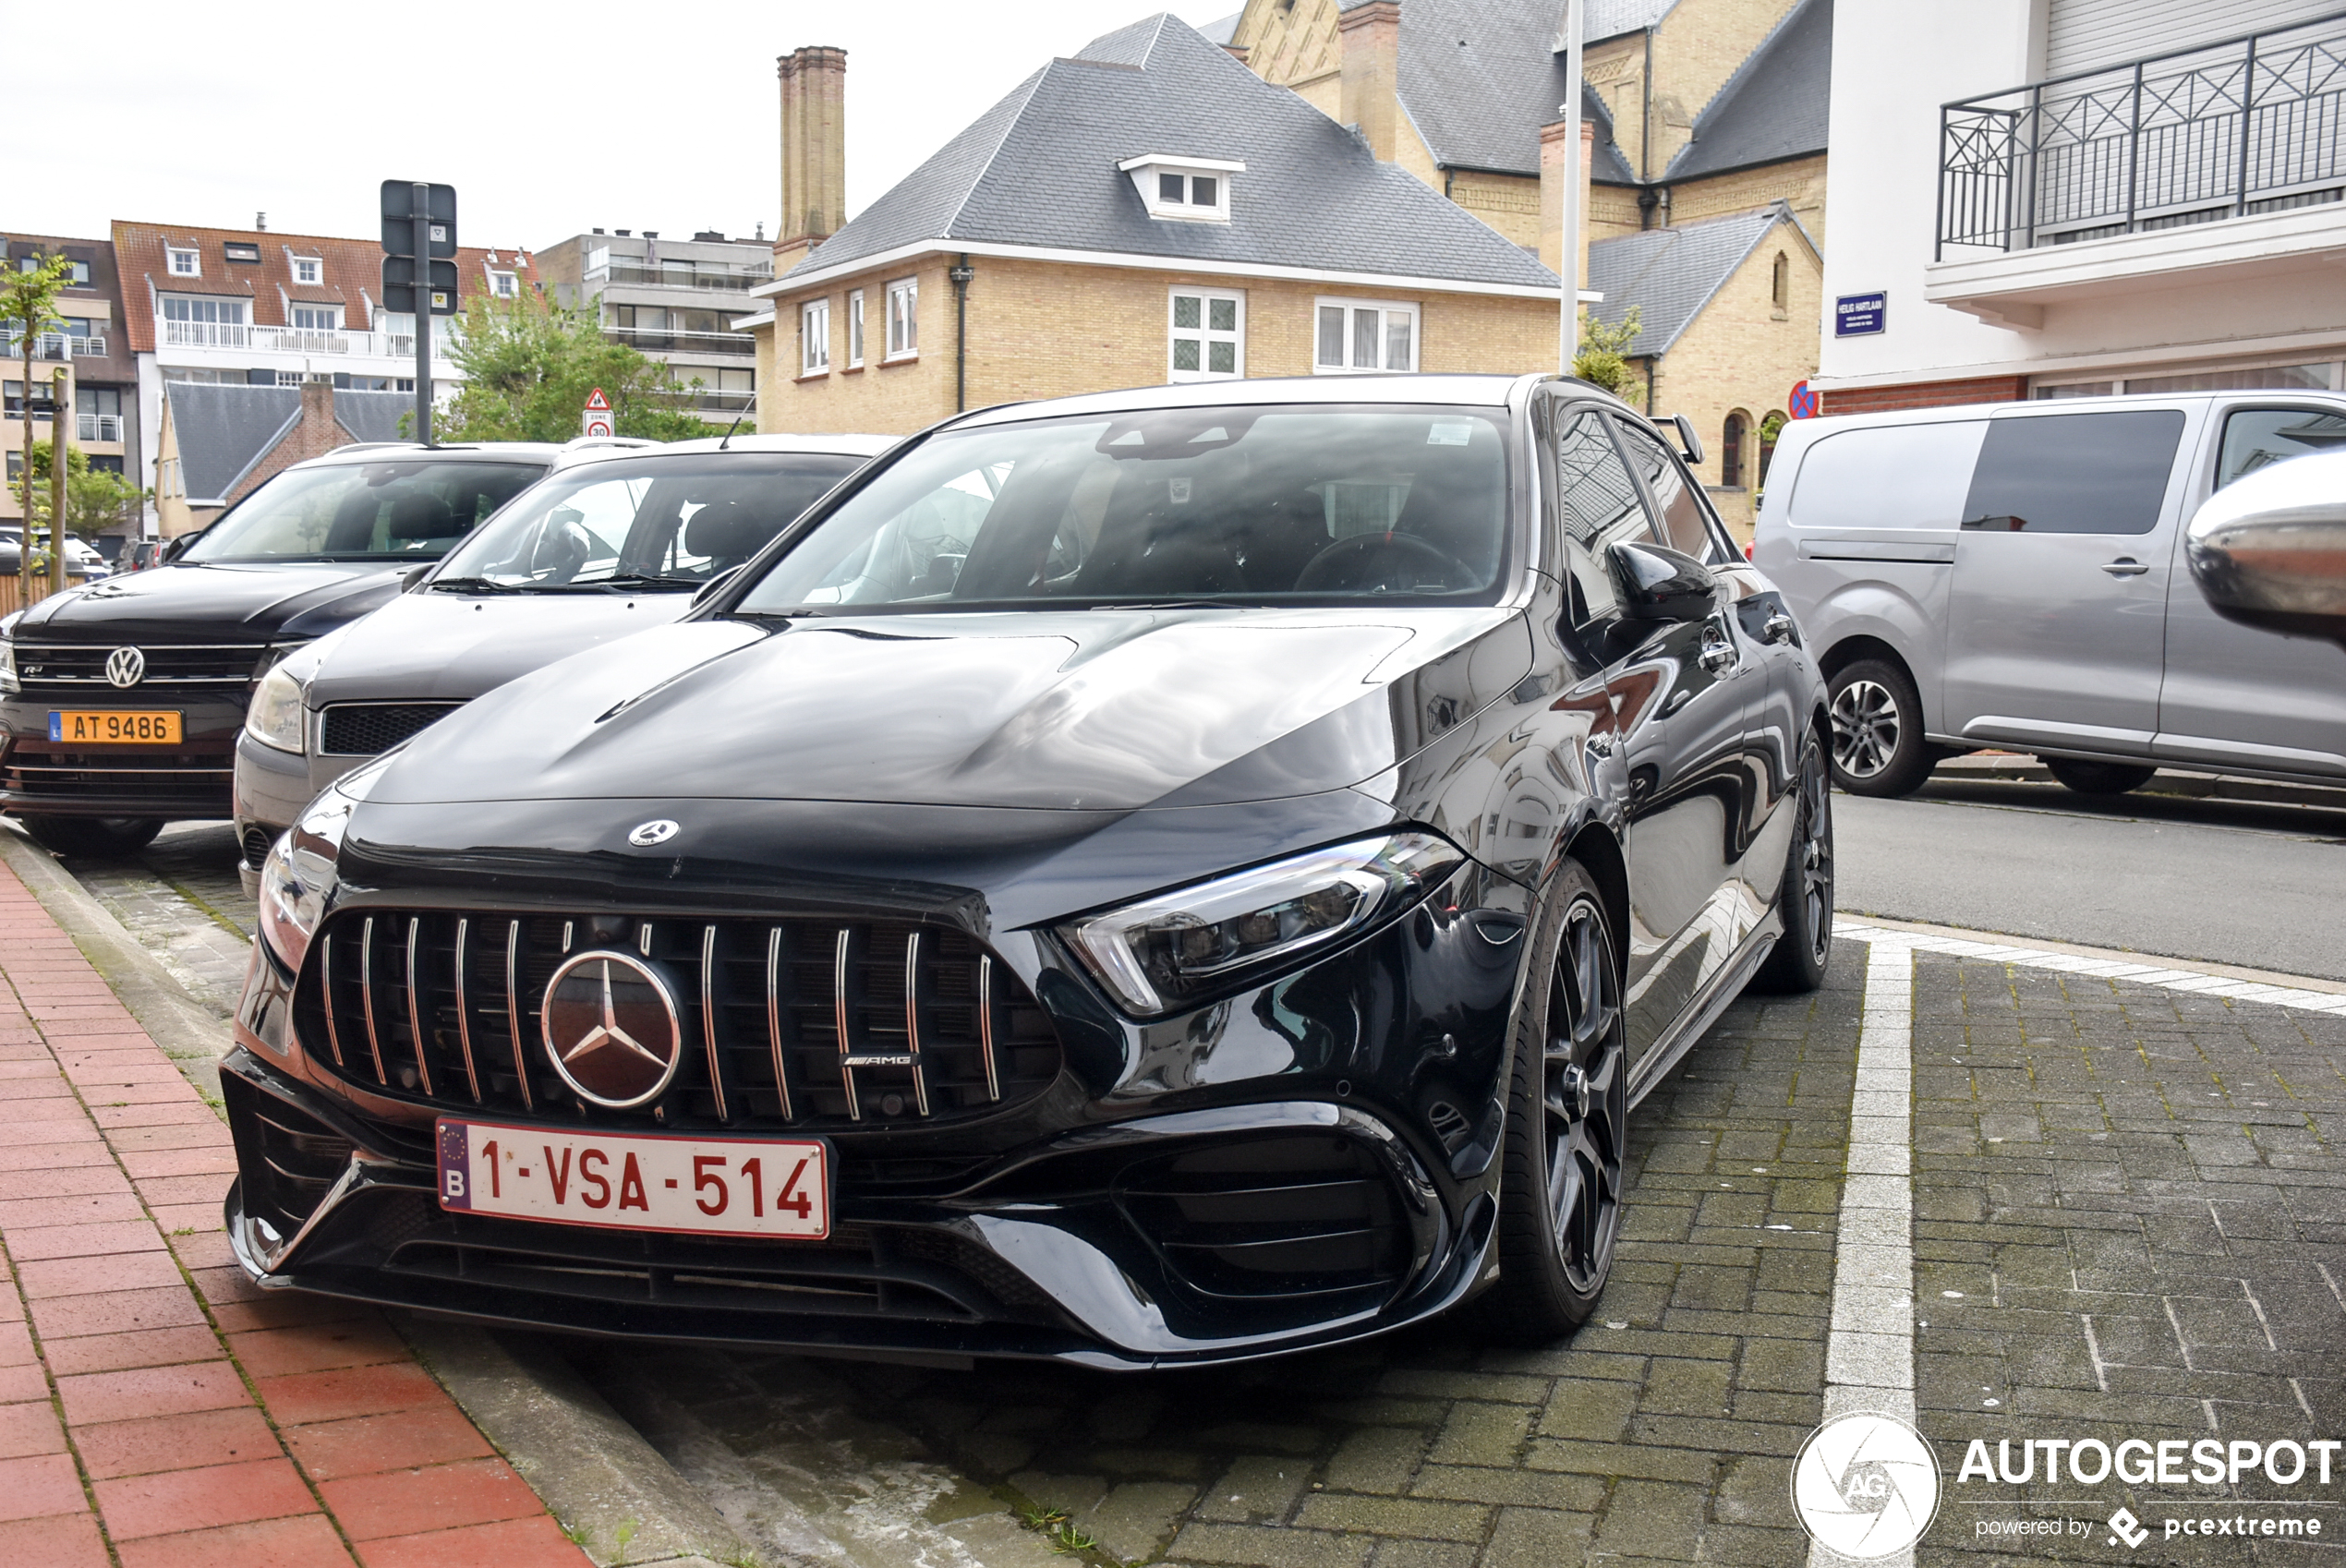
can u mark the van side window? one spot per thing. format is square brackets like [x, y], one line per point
[1888, 476]
[2074, 473]
[2259, 438]
[1685, 525]
[1599, 503]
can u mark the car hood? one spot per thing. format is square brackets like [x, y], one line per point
[433, 647]
[1101, 710]
[198, 601]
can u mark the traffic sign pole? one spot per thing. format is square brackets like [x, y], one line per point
[420, 208]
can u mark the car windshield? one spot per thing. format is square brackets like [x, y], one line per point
[645, 521]
[400, 509]
[1300, 504]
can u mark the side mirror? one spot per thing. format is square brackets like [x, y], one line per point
[1690, 444]
[1659, 584]
[412, 578]
[2269, 549]
[177, 548]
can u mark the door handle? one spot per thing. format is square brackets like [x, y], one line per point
[1716, 656]
[2126, 566]
[1778, 628]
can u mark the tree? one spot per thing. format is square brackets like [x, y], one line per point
[29, 306]
[530, 363]
[1604, 355]
[95, 499]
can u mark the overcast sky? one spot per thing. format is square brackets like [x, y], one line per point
[550, 120]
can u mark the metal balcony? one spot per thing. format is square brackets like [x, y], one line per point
[54, 346]
[678, 275]
[2250, 125]
[651, 340]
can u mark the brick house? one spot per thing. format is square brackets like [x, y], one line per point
[1147, 210]
[105, 375]
[219, 441]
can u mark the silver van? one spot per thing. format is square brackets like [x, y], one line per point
[2012, 575]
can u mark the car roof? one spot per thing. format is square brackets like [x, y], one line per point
[1477, 391]
[846, 445]
[2041, 407]
[541, 453]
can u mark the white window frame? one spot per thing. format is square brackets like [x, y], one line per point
[1387, 312]
[504, 285]
[181, 262]
[308, 271]
[1205, 334]
[903, 320]
[814, 338]
[1148, 169]
[855, 328]
[333, 313]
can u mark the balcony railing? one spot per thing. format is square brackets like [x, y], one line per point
[2250, 124]
[98, 427]
[54, 346]
[678, 275]
[302, 340]
[659, 339]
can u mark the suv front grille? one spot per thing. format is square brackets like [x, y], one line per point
[150, 779]
[786, 1023]
[173, 670]
[365, 729]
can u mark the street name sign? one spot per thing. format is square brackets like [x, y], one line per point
[1854, 314]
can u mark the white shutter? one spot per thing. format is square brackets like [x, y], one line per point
[2084, 35]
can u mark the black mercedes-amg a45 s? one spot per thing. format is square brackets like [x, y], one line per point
[1143, 879]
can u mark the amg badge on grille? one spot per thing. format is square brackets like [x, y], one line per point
[613, 1029]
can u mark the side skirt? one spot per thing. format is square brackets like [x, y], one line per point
[1725, 988]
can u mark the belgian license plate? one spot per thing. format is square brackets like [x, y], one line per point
[628, 1181]
[114, 727]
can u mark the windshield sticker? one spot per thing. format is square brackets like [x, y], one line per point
[1450, 432]
[1180, 491]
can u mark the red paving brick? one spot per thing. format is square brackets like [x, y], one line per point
[476, 1491]
[29, 1427]
[361, 1390]
[316, 1348]
[62, 1541]
[175, 1442]
[40, 1485]
[84, 1241]
[21, 1384]
[18, 1214]
[151, 1390]
[140, 1347]
[307, 1542]
[367, 1444]
[119, 1313]
[62, 1184]
[87, 1276]
[174, 1501]
[517, 1543]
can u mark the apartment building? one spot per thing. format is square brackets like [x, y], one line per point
[673, 300]
[254, 308]
[2055, 198]
[91, 341]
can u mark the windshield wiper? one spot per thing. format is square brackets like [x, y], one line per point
[1175, 604]
[644, 580]
[479, 586]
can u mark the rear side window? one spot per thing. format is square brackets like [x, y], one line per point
[1673, 496]
[1888, 476]
[2074, 473]
[2259, 438]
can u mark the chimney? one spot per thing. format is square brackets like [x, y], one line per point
[1557, 177]
[814, 151]
[1372, 99]
[318, 434]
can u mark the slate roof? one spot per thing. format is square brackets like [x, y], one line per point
[1222, 29]
[1039, 169]
[223, 430]
[1479, 79]
[1774, 107]
[1670, 275]
[1611, 19]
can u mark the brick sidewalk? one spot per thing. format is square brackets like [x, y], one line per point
[154, 1407]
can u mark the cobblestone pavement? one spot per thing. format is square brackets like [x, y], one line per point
[181, 898]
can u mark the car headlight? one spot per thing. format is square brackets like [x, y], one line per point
[299, 878]
[8, 654]
[276, 717]
[1181, 948]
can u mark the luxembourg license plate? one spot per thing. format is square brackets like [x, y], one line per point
[632, 1181]
[115, 727]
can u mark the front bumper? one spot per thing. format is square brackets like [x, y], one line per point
[186, 782]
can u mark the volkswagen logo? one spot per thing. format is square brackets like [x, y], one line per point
[611, 1029]
[126, 666]
[660, 830]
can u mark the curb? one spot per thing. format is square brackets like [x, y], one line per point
[2023, 768]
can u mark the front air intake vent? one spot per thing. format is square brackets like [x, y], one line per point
[1296, 1215]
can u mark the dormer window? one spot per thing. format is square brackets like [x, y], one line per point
[181, 263]
[1194, 190]
[309, 270]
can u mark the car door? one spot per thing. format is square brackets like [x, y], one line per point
[2239, 696]
[1679, 694]
[2057, 614]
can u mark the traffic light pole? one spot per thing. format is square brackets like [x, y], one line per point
[421, 208]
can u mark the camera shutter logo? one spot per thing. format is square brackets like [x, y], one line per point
[1866, 1486]
[125, 668]
[613, 1029]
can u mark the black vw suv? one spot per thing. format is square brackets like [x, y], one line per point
[1144, 879]
[120, 703]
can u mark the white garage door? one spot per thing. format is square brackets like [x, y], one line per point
[2083, 35]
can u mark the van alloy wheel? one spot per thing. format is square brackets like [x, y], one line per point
[1866, 726]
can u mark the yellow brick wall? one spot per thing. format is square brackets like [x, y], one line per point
[1696, 48]
[1742, 352]
[1510, 203]
[1800, 181]
[1051, 329]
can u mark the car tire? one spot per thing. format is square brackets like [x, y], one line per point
[1796, 964]
[98, 838]
[1878, 747]
[1560, 1195]
[2098, 777]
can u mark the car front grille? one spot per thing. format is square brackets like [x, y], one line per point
[184, 669]
[365, 729]
[191, 780]
[786, 1023]
[1297, 1215]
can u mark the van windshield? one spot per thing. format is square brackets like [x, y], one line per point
[1312, 504]
[401, 509]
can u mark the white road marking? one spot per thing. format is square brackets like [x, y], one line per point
[2166, 976]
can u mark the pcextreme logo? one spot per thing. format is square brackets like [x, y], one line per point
[1866, 1486]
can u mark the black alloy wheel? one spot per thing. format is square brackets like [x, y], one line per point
[1878, 747]
[99, 838]
[1797, 961]
[2098, 777]
[1567, 1127]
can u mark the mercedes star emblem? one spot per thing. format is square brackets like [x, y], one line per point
[126, 666]
[613, 1029]
[660, 830]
